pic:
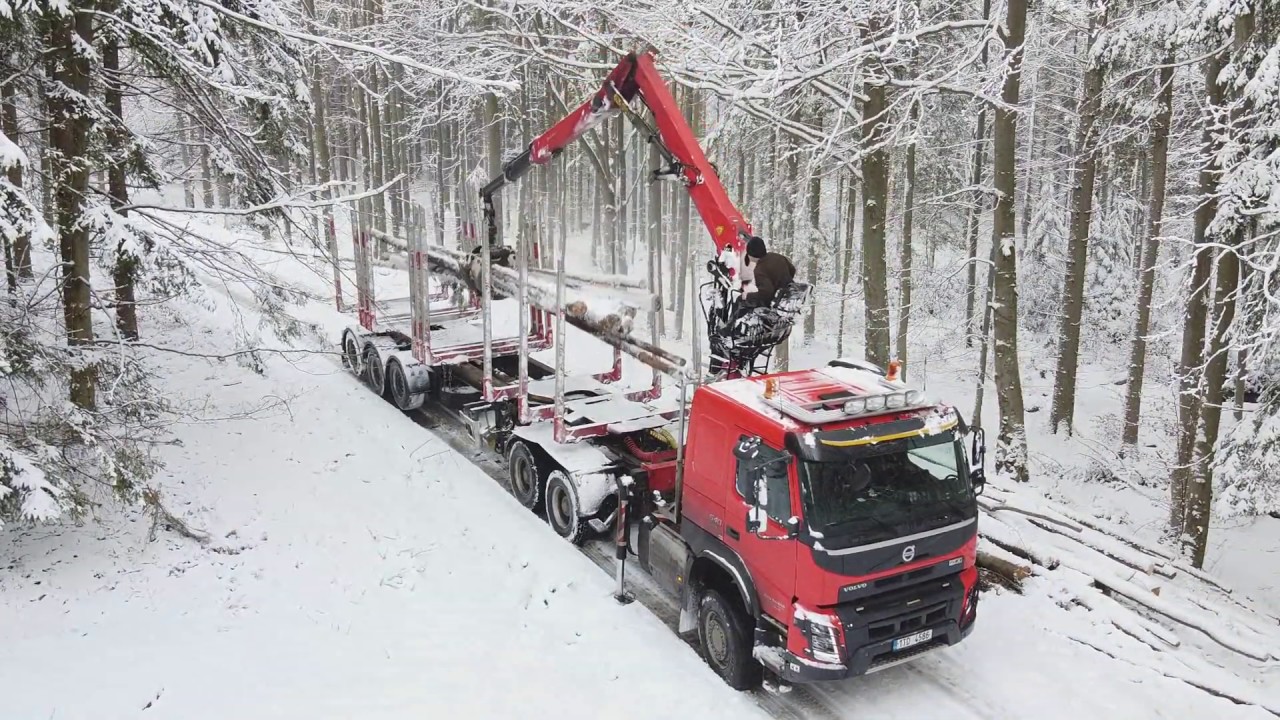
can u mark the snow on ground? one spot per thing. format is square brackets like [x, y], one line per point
[362, 569]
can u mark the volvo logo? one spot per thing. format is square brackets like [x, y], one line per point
[908, 553]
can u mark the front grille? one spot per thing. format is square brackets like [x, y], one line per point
[900, 610]
[907, 622]
[892, 580]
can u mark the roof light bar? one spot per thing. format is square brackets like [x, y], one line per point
[821, 412]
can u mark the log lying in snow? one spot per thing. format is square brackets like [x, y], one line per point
[1113, 584]
[1012, 573]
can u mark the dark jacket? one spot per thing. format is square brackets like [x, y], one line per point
[772, 273]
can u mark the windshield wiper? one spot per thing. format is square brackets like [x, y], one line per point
[884, 525]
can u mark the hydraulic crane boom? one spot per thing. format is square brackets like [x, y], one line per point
[636, 76]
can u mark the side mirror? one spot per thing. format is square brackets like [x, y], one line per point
[978, 461]
[757, 518]
[748, 448]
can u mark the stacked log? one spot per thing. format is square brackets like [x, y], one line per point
[611, 322]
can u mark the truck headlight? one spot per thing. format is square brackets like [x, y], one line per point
[823, 643]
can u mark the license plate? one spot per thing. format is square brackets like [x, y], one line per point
[910, 640]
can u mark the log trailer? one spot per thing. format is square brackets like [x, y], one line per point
[813, 525]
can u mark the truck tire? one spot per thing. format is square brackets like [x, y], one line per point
[527, 476]
[726, 641]
[351, 354]
[562, 508]
[374, 373]
[398, 385]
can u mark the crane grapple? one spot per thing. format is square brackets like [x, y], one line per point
[743, 339]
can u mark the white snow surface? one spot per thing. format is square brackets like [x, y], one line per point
[360, 568]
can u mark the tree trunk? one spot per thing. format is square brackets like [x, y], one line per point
[875, 196]
[978, 198]
[69, 140]
[905, 253]
[984, 345]
[1032, 178]
[125, 271]
[1250, 325]
[1193, 333]
[620, 199]
[655, 238]
[1200, 490]
[378, 153]
[188, 185]
[1011, 445]
[1062, 411]
[815, 250]
[1150, 253]
[608, 185]
[9, 118]
[206, 171]
[846, 263]
[324, 162]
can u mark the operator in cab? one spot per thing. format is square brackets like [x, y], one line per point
[770, 272]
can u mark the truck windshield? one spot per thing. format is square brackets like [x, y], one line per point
[897, 489]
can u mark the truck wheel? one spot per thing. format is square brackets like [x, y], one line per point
[398, 383]
[351, 354]
[526, 475]
[374, 373]
[727, 643]
[562, 508]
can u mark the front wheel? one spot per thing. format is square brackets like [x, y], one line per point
[727, 642]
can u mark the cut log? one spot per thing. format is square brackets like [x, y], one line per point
[1194, 682]
[1143, 565]
[992, 508]
[1204, 623]
[1012, 573]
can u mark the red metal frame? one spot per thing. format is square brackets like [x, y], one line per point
[364, 298]
[637, 76]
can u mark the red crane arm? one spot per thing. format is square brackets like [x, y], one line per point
[637, 76]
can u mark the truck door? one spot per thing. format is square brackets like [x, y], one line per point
[771, 562]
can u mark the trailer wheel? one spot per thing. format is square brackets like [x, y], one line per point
[398, 384]
[562, 508]
[374, 375]
[727, 641]
[351, 353]
[526, 474]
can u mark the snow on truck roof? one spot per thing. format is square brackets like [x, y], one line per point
[831, 395]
